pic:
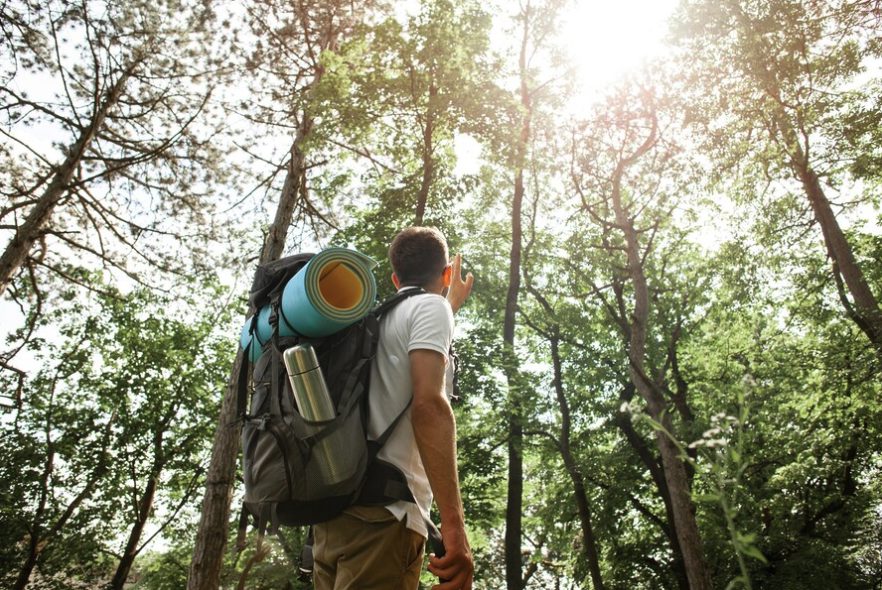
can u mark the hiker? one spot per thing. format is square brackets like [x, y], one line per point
[381, 547]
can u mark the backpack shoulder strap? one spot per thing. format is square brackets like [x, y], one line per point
[390, 303]
[381, 309]
[385, 483]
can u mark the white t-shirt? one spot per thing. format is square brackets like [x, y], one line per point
[422, 321]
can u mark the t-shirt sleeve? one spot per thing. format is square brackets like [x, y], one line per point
[431, 325]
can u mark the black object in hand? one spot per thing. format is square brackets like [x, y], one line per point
[436, 542]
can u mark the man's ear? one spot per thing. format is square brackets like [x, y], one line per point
[448, 275]
[395, 281]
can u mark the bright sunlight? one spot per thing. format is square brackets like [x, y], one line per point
[606, 40]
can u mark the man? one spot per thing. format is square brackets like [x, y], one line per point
[381, 547]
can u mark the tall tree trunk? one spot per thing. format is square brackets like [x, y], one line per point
[514, 498]
[589, 541]
[30, 562]
[145, 505]
[674, 470]
[38, 217]
[623, 421]
[211, 536]
[864, 308]
[274, 245]
[428, 154]
[864, 311]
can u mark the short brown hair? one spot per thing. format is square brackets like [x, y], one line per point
[418, 255]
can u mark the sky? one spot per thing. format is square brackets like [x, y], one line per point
[604, 40]
[607, 39]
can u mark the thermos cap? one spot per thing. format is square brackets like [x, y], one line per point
[302, 357]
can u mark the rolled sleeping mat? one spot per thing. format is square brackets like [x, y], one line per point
[259, 336]
[264, 328]
[334, 290]
[247, 337]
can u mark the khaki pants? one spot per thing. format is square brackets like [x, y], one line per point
[367, 548]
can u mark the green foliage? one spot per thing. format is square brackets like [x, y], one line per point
[127, 394]
[772, 393]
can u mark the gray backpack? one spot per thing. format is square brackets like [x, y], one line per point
[293, 473]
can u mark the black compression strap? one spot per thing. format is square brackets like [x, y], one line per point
[242, 383]
[398, 490]
[388, 432]
[284, 320]
[275, 386]
[243, 529]
[384, 484]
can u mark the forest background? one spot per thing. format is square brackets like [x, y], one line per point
[671, 359]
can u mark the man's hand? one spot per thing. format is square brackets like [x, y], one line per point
[459, 289]
[456, 568]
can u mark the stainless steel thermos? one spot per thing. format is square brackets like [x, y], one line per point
[308, 384]
[315, 405]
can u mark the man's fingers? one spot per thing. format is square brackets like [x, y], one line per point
[454, 569]
[442, 565]
[445, 572]
[459, 582]
[457, 267]
[460, 288]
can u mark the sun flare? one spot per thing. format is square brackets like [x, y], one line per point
[606, 40]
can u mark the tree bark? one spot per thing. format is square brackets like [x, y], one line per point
[27, 568]
[864, 311]
[274, 245]
[514, 496]
[674, 470]
[514, 499]
[38, 217]
[623, 421]
[428, 158]
[145, 505]
[211, 536]
[589, 541]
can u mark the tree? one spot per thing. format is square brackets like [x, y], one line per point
[301, 33]
[127, 164]
[59, 453]
[46, 519]
[125, 394]
[780, 71]
[535, 21]
[412, 84]
[162, 374]
[563, 440]
[616, 195]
